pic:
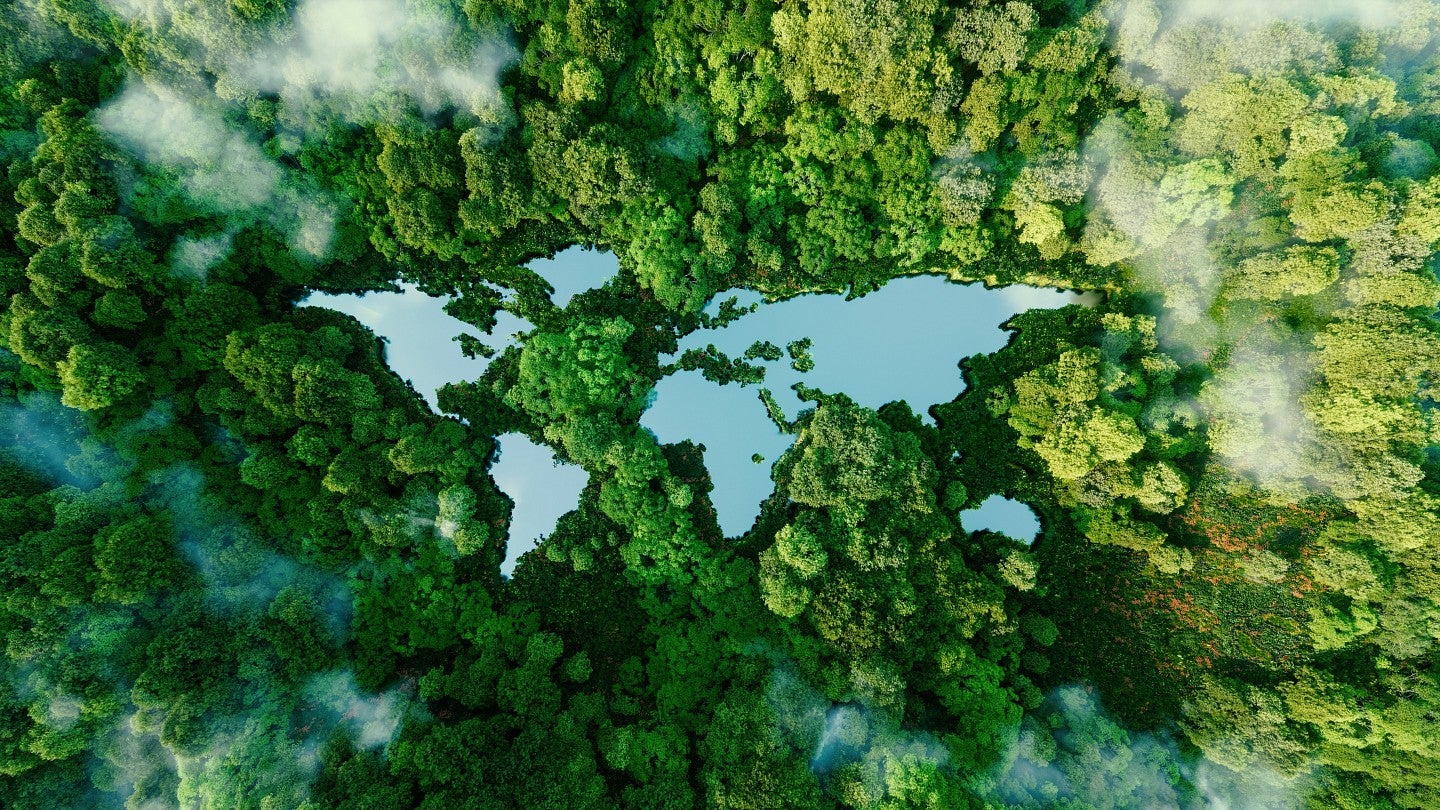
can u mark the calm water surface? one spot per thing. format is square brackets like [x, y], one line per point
[420, 347]
[903, 342]
[1000, 514]
[542, 487]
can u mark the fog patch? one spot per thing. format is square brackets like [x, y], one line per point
[193, 256]
[365, 59]
[1257, 425]
[242, 577]
[966, 184]
[1248, 14]
[1069, 751]
[274, 737]
[131, 763]
[240, 574]
[314, 228]
[1159, 214]
[219, 167]
[48, 704]
[136, 9]
[280, 745]
[853, 748]
[42, 435]
[371, 721]
[690, 141]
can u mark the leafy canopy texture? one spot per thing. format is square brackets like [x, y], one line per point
[244, 564]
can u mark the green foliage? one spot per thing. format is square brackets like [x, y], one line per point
[799, 354]
[98, 375]
[246, 566]
[583, 370]
[718, 368]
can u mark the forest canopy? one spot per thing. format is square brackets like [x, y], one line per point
[244, 564]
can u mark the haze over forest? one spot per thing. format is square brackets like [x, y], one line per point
[246, 564]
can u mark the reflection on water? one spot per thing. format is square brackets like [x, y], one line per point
[420, 347]
[903, 342]
[575, 270]
[418, 334]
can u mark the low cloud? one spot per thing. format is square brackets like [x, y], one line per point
[1071, 752]
[132, 764]
[357, 56]
[219, 166]
[1249, 14]
[1159, 213]
[193, 256]
[361, 60]
[42, 435]
[371, 720]
[851, 741]
[1257, 425]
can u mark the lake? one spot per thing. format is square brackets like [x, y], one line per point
[420, 347]
[902, 342]
[420, 335]
[1000, 514]
[542, 487]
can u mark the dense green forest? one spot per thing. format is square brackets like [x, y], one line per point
[244, 565]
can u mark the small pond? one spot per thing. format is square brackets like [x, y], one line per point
[575, 270]
[1000, 514]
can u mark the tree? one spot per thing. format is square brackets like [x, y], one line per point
[876, 59]
[1243, 119]
[581, 371]
[135, 560]
[98, 375]
[1299, 270]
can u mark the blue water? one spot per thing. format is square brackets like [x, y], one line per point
[902, 342]
[575, 270]
[420, 347]
[1000, 514]
[419, 335]
[543, 489]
